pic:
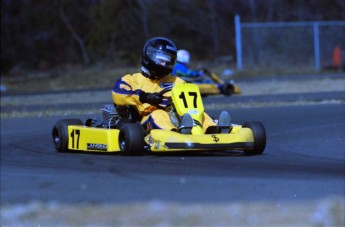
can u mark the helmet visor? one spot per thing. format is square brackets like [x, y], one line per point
[161, 57]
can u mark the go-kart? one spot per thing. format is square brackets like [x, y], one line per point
[127, 135]
[210, 84]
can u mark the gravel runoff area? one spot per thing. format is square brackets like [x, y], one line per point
[323, 212]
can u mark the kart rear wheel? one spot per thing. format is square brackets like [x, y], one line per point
[60, 133]
[228, 88]
[259, 134]
[131, 139]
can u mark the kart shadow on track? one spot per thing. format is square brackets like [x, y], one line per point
[230, 153]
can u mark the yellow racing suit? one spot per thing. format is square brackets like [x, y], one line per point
[126, 92]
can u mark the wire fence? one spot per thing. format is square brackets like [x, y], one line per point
[288, 45]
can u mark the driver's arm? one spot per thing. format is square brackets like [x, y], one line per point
[123, 93]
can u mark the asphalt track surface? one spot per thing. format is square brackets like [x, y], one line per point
[304, 159]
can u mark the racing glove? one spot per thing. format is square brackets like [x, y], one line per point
[151, 98]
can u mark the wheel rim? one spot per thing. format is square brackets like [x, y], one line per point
[56, 138]
[228, 89]
[56, 141]
[122, 142]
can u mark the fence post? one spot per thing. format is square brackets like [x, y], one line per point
[238, 42]
[316, 46]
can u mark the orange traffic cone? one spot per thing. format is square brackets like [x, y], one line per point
[336, 58]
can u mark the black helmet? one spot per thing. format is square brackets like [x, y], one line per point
[159, 56]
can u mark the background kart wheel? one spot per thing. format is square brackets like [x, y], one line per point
[60, 133]
[259, 133]
[131, 139]
[228, 88]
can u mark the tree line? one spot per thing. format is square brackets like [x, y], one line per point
[43, 34]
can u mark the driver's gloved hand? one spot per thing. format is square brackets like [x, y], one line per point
[151, 98]
[204, 71]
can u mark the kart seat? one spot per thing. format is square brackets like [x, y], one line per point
[128, 112]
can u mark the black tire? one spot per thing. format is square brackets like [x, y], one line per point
[228, 88]
[259, 133]
[131, 139]
[60, 133]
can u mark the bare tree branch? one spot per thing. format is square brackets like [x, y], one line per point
[144, 18]
[80, 41]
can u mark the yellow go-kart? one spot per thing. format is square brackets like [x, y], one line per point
[210, 84]
[126, 135]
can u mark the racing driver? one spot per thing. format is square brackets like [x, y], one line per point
[182, 69]
[140, 90]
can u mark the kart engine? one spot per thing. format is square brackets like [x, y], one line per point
[109, 116]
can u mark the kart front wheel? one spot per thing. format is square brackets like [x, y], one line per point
[131, 139]
[228, 88]
[259, 134]
[60, 133]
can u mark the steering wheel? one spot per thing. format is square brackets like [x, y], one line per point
[162, 92]
[165, 90]
[205, 71]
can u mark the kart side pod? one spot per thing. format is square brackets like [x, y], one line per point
[166, 141]
[72, 135]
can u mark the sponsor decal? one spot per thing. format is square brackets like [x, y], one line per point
[215, 138]
[96, 146]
